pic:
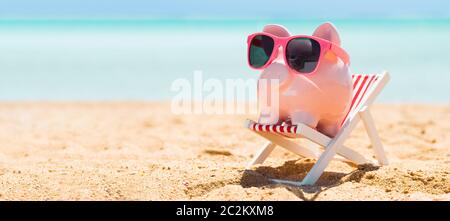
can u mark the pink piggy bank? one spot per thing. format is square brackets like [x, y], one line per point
[305, 79]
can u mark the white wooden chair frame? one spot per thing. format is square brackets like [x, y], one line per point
[332, 146]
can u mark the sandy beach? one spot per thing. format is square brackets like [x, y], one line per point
[141, 151]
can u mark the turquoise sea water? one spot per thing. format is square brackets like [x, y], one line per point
[139, 60]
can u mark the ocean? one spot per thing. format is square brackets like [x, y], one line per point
[64, 60]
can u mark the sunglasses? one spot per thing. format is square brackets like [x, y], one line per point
[302, 53]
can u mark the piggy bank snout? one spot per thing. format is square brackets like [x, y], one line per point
[277, 72]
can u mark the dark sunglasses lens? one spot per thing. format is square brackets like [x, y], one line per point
[303, 54]
[261, 48]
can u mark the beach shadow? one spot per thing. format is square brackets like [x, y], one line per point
[296, 170]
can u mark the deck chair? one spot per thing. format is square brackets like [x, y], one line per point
[365, 89]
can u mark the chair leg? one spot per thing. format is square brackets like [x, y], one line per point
[324, 140]
[329, 153]
[262, 155]
[318, 168]
[373, 135]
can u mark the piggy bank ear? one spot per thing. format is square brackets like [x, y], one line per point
[328, 32]
[277, 30]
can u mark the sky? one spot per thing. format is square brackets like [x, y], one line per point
[227, 9]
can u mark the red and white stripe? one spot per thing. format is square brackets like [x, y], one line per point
[285, 128]
[361, 84]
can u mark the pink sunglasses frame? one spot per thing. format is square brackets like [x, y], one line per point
[283, 41]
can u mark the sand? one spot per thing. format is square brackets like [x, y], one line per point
[140, 151]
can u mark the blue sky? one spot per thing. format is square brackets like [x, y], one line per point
[227, 9]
